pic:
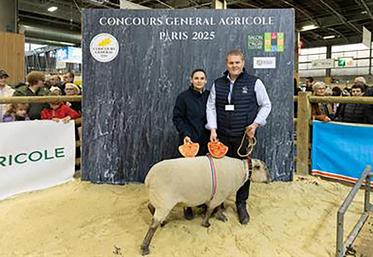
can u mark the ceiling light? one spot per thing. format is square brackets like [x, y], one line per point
[52, 8]
[329, 37]
[309, 27]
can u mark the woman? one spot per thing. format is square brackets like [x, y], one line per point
[189, 117]
[321, 111]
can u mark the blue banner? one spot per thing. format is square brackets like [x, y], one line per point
[341, 150]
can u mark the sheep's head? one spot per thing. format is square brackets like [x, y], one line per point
[260, 172]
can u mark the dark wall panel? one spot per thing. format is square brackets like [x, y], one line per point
[128, 101]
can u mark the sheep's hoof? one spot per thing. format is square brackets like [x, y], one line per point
[220, 216]
[151, 208]
[205, 224]
[145, 250]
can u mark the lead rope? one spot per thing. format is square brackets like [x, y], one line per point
[249, 147]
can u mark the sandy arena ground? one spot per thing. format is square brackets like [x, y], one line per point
[296, 219]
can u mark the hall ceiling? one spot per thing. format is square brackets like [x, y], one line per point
[342, 19]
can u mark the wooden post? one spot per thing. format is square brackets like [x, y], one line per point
[303, 133]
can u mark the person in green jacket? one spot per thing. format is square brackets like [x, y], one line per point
[35, 87]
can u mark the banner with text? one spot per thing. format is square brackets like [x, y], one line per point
[137, 62]
[341, 150]
[35, 155]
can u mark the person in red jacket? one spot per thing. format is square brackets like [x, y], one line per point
[58, 111]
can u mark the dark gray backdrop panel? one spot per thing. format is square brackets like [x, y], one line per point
[128, 102]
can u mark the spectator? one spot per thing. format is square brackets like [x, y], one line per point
[336, 91]
[35, 87]
[16, 112]
[362, 80]
[296, 91]
[321, 111]
[309, 84]
[53, 81]
[369, 107]
[72, 89]
[354, 113]
[68, 77]
[58, 111]
[5, 91]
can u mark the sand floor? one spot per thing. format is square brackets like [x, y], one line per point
[296, 219]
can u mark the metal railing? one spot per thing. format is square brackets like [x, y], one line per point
[342, 246]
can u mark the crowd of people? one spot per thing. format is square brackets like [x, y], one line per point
[37, 84]
[353, 113]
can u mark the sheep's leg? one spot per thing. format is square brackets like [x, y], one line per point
[145, 244]
[205, 221]
[220, 215]
[151, 208]
[158, 218]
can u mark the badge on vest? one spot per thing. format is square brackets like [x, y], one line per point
[229, 107]
[245, 90]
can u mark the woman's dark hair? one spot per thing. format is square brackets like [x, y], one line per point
[337, 91]
[360, 85]
[198, 70]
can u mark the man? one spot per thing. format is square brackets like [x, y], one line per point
[309, 84]
[5, 91]
[369, 107]
[238, 104]
[355, 113]
[35, 87]
[68, 77]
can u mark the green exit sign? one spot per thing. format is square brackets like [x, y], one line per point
[341, 62]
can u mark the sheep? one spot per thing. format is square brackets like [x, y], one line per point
[189, 181]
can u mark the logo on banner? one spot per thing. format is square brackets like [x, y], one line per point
[264, 62]
[104, 47]
[270, 41]
[255, 42]
[273, 42]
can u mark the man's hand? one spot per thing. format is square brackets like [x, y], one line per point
[213, 135]
[250, 130]
[187, 140]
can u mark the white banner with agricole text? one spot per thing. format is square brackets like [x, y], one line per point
[35, 155]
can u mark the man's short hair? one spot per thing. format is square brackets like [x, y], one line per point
[360, 85]
[310, 79]
[235, 52]
[70, 74]
[34, 76]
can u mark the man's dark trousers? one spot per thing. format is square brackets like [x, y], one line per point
[233, 144]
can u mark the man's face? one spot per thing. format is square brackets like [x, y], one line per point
[356, 92]
[308, 83]
[67, 78]
[3, 80]
[235, 65]
[40, 84]
[54, 80]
